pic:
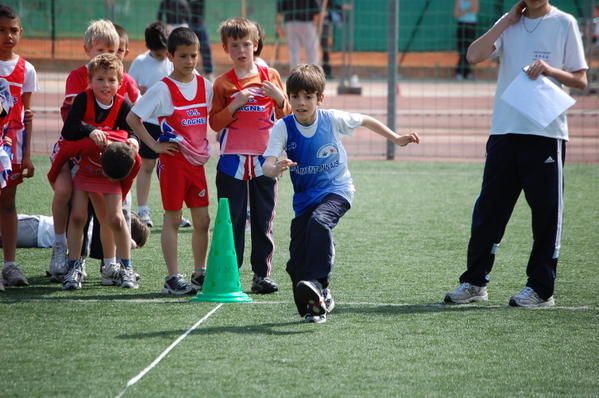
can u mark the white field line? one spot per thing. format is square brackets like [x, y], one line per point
[165, 352]
[348, 303]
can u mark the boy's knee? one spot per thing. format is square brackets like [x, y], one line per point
[78, 219]
[116, 222]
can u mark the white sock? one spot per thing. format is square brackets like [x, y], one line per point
[9, 263]
[110, 260]
[142, 208]
[60, 239]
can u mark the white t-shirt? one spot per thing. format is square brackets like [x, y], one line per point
[30, 83]
[157, 100]
[344, 123]
[553, 38]
[147, 71]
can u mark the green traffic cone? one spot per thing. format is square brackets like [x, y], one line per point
[222, 283]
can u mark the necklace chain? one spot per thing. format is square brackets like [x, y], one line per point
[536, 26]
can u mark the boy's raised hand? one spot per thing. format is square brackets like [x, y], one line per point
[516, 12]
[403, 140]
[272, 91]
[242, 98]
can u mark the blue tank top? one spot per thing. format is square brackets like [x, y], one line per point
[321, 164]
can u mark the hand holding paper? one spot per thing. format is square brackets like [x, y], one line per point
[540, 100]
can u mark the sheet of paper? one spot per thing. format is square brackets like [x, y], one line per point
[539, 100]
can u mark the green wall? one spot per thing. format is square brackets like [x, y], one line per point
[435, 33]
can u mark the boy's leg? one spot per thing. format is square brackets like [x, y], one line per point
[500, 189]
[262, 207]
[199, 237]
[144, 178]
[63, 189]
[106, 232]
[77, 221]
[319, 238]
[168, 240]
[236, 191]
[297, 254]
[8, 222]
[542, 167]
[12, 275]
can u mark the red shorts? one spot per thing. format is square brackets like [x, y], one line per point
[15, 177]
[99, 184]
[181, 182]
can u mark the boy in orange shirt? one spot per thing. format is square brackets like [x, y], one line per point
[247, 101]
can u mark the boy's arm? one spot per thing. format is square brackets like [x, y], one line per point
[484, 46]
[136, 124]
[27, 165]
[221, 114]
[577, 79]
[379, 128]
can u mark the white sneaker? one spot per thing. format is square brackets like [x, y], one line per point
[144, 217]
[73, 278]
[111, 274]
[58, 263]
[13, 276]
[184, 223]
[467, 293]
[128, 278]
[528, 298]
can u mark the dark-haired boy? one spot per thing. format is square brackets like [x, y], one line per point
[322, 185]
[180, 102]
[147, 69]
[17, 82]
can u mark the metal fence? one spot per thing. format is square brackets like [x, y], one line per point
[400, 68]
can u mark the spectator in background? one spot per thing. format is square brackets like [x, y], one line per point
[465, 11]
[198, 12]
[175, 13]
[300, 19]
[334, 17]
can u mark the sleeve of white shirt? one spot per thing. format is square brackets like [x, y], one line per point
[344, 123]
[30, 84]
[277, 142]
[133, 69]
[574, 58]
[155, 103]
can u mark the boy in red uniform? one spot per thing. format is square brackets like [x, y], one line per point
[100, 37]
[180, 102]
[17, 82]
[99, 113]
[247, 101]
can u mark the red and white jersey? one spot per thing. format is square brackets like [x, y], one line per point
[248, 134]
[189, 121]
[12, 109]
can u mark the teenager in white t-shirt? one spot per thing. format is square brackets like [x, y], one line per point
[520, 154]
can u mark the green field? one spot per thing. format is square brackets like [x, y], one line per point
[399, 249]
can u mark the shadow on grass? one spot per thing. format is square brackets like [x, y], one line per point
[383, 309]
[271, 329]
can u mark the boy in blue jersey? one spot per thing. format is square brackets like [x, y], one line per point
[322, 184]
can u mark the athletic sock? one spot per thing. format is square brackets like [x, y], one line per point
[60, 239]
[126, 262]
[109, 260]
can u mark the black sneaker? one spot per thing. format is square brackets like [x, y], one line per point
[308, 294]
[263, 285]
[177, 285]
[197, 280]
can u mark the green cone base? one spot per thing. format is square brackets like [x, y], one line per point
[235, 297]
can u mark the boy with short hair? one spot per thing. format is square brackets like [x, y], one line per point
[247, 101]
[322, 184]
[180, 102]
[148, 69]
[100, 37]
[520, 154]
[17, 82]
[99, 114]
